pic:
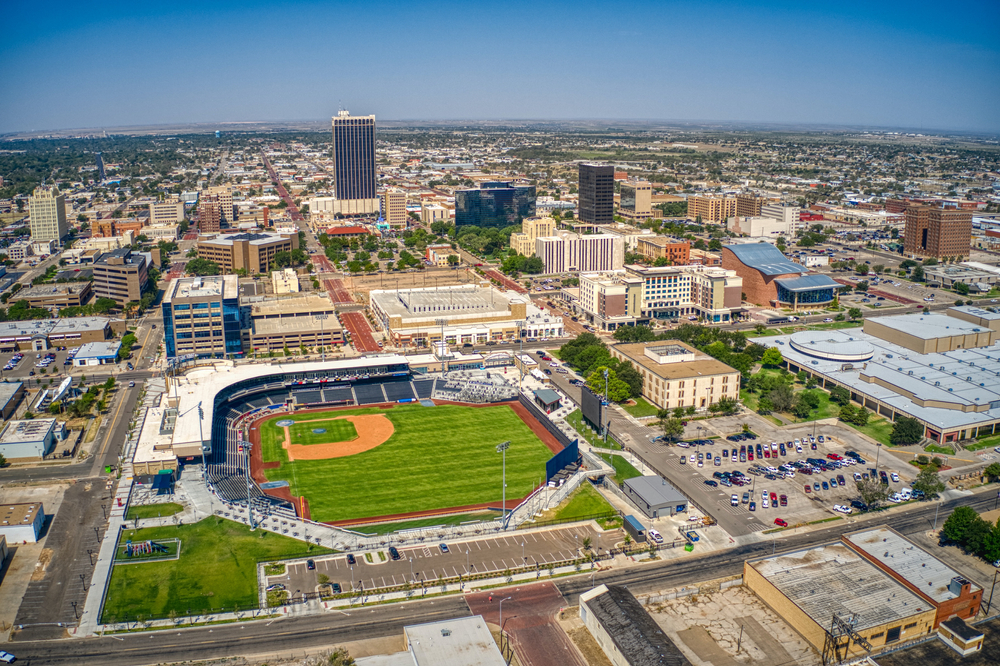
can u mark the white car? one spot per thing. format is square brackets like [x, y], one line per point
[827, 320]
[857, 476]
[763, 504]
[7, 657]
[843, 508]
[763, 494]
[894, 477]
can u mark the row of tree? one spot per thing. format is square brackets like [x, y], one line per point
[590, 357]
[965, 528]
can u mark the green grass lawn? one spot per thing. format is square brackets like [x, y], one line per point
[934, 448]
[217, 569]
[153, 510]
[825, 410]
[583, 503]
[640, 408]
[575, 419]
[986, 443]
[457, 519]
[437, 458]
[623, 468]
[878, 428]
[336, 431]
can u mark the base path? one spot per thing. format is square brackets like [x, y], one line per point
[373, 430]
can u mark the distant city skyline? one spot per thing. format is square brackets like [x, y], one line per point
[890, 64]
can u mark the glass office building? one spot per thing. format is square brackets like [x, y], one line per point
[494, 204]
[201, 317]
[354, 156]
[596, 194]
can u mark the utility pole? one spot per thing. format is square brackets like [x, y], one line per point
[502, 449]
[607, 403]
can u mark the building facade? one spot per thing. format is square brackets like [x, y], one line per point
[609, 301]
[393, 208]
[568, 252]
[677, 375]
[636, 201]
[47, 210]
[201, 317]
[209, 214]
[937, 232]
[676, 253]
[709, 293]
[56, 296]
[494, 204]
[251, 252]
[523, 242]
[293, 322]
[596, 203]
[711, 208]
[353, 148]
[748, 205]
[121, 275]
[224, 195]
[166, 212]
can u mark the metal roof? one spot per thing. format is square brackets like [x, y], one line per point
[765, 258]
[547, 396]
[656, 491]
[808, 283]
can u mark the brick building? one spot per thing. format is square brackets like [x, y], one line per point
[209, 213]
[678, 253]
[748, 205]
[770, 278]
[252, 252]
[711, 209]
[937, 232]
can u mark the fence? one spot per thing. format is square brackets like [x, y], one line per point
[543, 418]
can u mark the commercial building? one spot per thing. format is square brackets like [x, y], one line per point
[941, 369]
[56, 296]
[625, 631]
[109, 228]
[948, 276]
[209, 214]
[596, 198]
[609, 301]
[770, 279]
[790, 215]
[158, 232]
[166, 212]
[533, 228]
[937, 232]
[34, 438]
[676, 253]
[654, 496]
[960, 637]
[494, 204]
[353, 150]
[303, 320]
[943, 588]
[97, 353]
[568, 252]
[121, 275]
[814, 588]
[21, 523]
[252, 252]
[201, 317]
[677, 375]
[223, 194]
[703, 292]
[438, 255]
[285, 282]
[47, 210]
[11, 394]
[711, 208]
[431, 211]
[464, 641]
[749, 205]
[393, 208]
[459, 314]
[18, 250]
[41, 334]
[762, 227]
[636, 200]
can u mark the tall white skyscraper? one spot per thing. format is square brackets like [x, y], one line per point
[47, 210]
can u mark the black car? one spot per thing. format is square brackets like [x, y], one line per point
[336, 588]
[393, 553]
[351, 559]
[311, 565]
[859, 505]
[710, 482]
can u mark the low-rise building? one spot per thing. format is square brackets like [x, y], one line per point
[432, 211]
[34, 438]
[438, 254]
[762, 227]
[56, 296]
[654, 496]
[285, 281]
[770, 279]
[625, 631]
[251, 252]
[97, 353]
[121, 275]
[675, 253]
[19, 250]
[523, 242]
[303, 320]
[41, 334]
[677, 375]
[11, 394]
[161, 232]
[608, 301]
[21, 523]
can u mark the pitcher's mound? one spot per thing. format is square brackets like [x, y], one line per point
[373, 430]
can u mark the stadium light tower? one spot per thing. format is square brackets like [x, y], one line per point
[607, 426]
[502, 449]
[322, 317]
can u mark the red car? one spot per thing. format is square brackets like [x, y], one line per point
[774, 498]
[784, 500]
[808, 488]
[834, 456]
[781, 522]
[749, 454]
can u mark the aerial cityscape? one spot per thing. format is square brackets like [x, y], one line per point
[306, 360]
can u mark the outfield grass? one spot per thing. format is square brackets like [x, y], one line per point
[640, 408]
[437, 458]
[433, 521]
[336, 431]
[153, 510]
[217, 569]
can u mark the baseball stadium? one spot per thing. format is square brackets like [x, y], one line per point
[362, 441]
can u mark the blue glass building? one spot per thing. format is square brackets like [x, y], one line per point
[494, 204]
[202, 317]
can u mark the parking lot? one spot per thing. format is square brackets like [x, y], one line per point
[761, 486]
[428, 562]
[29, 363]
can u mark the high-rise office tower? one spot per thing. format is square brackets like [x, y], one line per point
[209, 213]
[937, 232]
[100, 167]
[354, 164]
[47, 210]
[494, 204]
[597, 194]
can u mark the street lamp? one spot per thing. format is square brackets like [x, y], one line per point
[322, 317]
[502, 449]
[501, 611]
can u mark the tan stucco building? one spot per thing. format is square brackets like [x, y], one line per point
[677, 375]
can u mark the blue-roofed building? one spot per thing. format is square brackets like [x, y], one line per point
[772, 279]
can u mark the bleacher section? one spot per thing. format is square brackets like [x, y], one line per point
[308, 397]
[424, 389]
[369, 394]
[398, 391]
[337, 394]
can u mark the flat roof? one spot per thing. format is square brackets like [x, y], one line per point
[808, 283]
[290, 305]
[60, 289]
[463, 641]
[833, 579]
[8, 390]
[929, 326]
[702, 366]
[831, 345]
[19, 514]
[226, 240]
[981, 313]
[547, 396]
[98, 350]
[221, 286]
[911, 562]
[33, 430]
[655, 490]
[636, 635]
[295, 324]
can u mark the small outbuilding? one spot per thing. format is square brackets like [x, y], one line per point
[654, 496]
[548, 400]
[21, 523]
[97, 353]
[34, 438]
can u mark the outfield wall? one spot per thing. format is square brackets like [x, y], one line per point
[543, 418]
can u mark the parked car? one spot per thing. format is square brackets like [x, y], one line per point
[393, 553]
[311, 565]
[753, 506]
[842, 508]
[783, 500]
[443, 547]
[781, 522]
[275, 586]
[734, 500]
[710, 482]
[351, 559]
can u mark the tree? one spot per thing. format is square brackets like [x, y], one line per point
[854, 314]
[929, 482]
[961, 288]
[671, 426]
[906, 431]
[772, 357]
[618, 390]
[958, 523]
[781, 398]
[862, 286]
[628, 374]
[839, 395]
[976, 536]
[3, 461]
[992, 471]
[725, 406]
[202, 267]
[872, 492]
[918, 274]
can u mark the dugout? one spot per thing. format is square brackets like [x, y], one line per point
[635, 529]
[654, 496]
[548, 400]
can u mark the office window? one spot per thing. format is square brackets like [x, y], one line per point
[182, 306]
[200, 306]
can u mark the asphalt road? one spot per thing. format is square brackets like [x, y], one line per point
[286, 635]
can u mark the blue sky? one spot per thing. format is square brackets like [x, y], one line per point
[913, 64]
